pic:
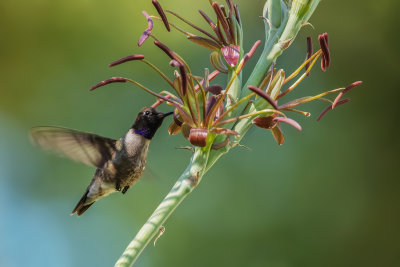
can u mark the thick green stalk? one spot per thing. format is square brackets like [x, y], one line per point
[185, 184]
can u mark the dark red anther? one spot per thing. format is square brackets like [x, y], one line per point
[161, 13]
[348, 88]
[111, 80]
[324, 44]
[214, 89]
[166, 50]
[210, 104]
[209, 21]
[264, 95]
[309, 52]
[341, 102]
[223, 21]
[126, 59]
[181, 66]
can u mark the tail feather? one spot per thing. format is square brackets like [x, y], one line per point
[81, 207]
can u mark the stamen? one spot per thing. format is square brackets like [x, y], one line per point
[159, 102]
[237, 14]
[183, 113]
[159, 72]
[235, 74]
[161, 13]
[264, 111]
[305, 113]
[341, 102]
[210, 103]
[174, 26]
[264, 95]
[298, 80]
[193, 26]
[235, 106]
[306, 99]
[108, 81]
[214, 89]
[204, 42]
[182, 69]
[209, 21]
[126, 59]
[223, 21]
[294, 74]
[220, 34]
[147, 32]
[348, 88]
[231, 8]
[309, 52]
[326, 59]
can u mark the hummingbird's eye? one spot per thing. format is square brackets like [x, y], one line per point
[147, 113]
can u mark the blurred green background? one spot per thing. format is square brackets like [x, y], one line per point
[328, 197]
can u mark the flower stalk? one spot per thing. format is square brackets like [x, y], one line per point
[214, 118]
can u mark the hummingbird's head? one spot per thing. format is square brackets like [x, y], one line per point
[148, 121]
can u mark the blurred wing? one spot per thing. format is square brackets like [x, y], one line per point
[87, 148]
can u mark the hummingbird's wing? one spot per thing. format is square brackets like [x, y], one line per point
[87, 148]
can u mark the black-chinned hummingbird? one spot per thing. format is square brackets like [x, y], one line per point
[120, 163]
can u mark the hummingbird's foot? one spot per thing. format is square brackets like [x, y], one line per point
[118, 185]
[125, 189]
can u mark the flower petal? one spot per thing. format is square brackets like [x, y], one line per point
[278, 135]
[174, 128]
[265, 122]
[231, 54]
[289, 121]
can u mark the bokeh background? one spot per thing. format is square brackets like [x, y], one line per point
[328, 197]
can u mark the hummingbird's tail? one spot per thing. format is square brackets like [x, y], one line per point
[82, 206]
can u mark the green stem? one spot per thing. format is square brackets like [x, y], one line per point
[183, 187]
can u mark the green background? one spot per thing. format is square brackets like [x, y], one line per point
[328, 197]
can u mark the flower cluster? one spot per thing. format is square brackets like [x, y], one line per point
[203, 110]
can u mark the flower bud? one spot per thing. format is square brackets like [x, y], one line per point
[198, 137]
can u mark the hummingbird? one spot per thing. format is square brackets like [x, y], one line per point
[119, 163]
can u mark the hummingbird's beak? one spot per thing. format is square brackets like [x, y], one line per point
[167, 114]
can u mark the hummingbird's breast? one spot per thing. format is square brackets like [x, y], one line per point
[130, 158]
